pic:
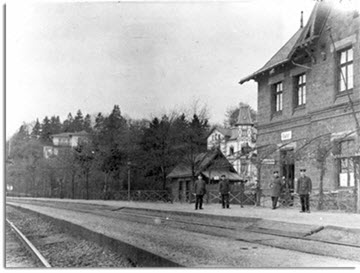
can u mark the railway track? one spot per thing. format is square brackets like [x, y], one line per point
[52, 246]
[258, 231]
[31, 249]
[244, 230]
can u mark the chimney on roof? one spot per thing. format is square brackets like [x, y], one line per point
[302, 20]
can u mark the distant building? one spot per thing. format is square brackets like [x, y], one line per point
[236, 143]
[64, 140]
[304, 91]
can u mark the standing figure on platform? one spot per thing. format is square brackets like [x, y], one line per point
[224, 190]
[276, 187]
[200, 190]
[304, 186]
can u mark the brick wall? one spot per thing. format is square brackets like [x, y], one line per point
[326, 111]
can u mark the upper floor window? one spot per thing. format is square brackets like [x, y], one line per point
[244, 132]
[300, 90]
[346, 76]
[278, 97]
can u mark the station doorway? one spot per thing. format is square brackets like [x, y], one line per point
[288, 172]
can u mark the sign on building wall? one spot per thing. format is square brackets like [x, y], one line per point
[286, 135]
[267, 161]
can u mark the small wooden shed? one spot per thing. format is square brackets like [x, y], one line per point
[211, 164]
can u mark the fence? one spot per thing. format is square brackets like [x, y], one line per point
[335, 200]
[236, 197]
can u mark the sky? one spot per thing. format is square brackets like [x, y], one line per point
[147, 57]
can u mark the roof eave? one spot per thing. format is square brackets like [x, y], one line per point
[254, 75]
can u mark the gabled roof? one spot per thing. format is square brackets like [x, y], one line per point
[224, 131]
[230, 133]
[282, 56]
[203, 161]
[71, 134]
[312, 30]
[315, 24]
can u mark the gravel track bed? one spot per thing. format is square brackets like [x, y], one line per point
[194, 247]
[16, 254]
[235, 232]
[60, 249]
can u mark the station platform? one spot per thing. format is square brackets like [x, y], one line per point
[282, 214]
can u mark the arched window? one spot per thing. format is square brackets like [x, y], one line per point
[231, 150]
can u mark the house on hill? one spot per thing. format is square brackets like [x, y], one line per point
[311, 89]
[236, 143]
[211, 164]
[65, 140]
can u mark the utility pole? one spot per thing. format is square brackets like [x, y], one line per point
[129, 164]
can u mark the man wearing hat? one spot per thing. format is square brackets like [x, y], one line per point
[304, 186]
[276, 187]
[200, 190]
[224, 190]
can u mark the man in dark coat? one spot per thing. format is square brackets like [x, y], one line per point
[200, 190]
[304, 187]
[224, 190]
[276, 187]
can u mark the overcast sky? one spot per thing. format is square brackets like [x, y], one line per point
[147, 57]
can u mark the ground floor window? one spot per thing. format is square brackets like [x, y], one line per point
[346, 170]
[346, 176]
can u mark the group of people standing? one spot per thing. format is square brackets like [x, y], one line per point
[224, 190]
[304, 187]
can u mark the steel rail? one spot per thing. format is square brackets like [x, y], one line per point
[264, 231]
[31, 248]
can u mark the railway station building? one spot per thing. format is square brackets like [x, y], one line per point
[309, 101]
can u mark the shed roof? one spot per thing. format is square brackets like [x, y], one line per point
[203, 161]
[217, 173]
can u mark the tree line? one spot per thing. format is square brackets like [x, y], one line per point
[98, 168]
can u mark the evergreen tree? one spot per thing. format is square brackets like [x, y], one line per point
[113, 129]
[99, 123]
[179, 130]
[195, 142]
[87, 123]
[23, 133]
[78, 123]
[55, 125]
[158, 149]
[68, 125]
[45, 131]
[110, 139]
[36, 131]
